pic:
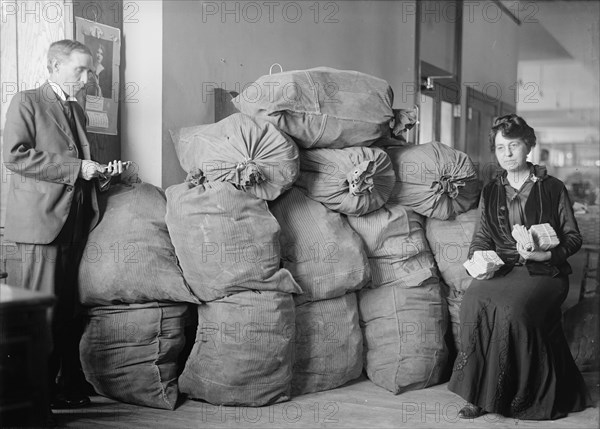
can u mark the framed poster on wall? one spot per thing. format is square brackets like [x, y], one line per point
[101, 95]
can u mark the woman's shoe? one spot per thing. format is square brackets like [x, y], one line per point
[470, 411]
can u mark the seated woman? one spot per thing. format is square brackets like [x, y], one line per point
[514, 358]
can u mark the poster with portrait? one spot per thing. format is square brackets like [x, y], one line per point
[101, 93]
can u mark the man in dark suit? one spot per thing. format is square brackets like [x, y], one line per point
[52, 202]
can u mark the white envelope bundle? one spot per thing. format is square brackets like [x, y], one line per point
[538, 237]
[544, 236]
[483, 262]
[523, 237]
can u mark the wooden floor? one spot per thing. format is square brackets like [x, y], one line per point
[359, 404]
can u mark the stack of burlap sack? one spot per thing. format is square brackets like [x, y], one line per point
[227, 242]
[299, 241]
[136, 300]
[218, 250]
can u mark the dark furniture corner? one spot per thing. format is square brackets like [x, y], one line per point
[24, 341]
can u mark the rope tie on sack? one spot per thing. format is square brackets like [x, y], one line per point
[360, 179]
[195, 178]
[248, 174]
[403, 120]
[447, 185]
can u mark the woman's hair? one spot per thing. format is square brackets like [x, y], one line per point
[63, 48]
[514, 127]
[94, 44]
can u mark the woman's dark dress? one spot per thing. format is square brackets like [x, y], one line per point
[514, 358]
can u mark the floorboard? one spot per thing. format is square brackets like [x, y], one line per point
[358, 404]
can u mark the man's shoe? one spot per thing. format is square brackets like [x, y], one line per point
[50, 421]
[62, 402]
[470, 411]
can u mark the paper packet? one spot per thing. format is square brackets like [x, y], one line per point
[483, 262]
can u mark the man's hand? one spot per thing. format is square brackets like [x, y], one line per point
[115, 167]
[90, 169]
[533, 255]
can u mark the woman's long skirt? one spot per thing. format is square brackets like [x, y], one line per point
[514, 358]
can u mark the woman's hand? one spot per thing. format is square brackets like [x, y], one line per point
[478, 267]
[533, 255]
[485, 276]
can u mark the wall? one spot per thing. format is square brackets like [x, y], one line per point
[490, 50]
[489, 58]
[230, 44]
[438, 23]
[141, 107]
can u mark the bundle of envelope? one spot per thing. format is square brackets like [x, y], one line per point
[538, 237]
[483, 262]
[544, 236]
[523, 237]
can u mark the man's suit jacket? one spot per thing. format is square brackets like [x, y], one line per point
[40, 150]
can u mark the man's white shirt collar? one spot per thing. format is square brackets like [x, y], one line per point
[59, 92]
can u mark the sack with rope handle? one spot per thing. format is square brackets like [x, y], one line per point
[324, 107]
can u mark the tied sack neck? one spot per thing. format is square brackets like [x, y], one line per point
[248, 174]
[360, 179]
[447, 185]
[195, 178]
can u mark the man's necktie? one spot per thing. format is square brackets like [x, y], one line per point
[68, 109]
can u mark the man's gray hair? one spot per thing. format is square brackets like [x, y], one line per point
[63, 48]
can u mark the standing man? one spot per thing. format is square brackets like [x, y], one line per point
[52, 202]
